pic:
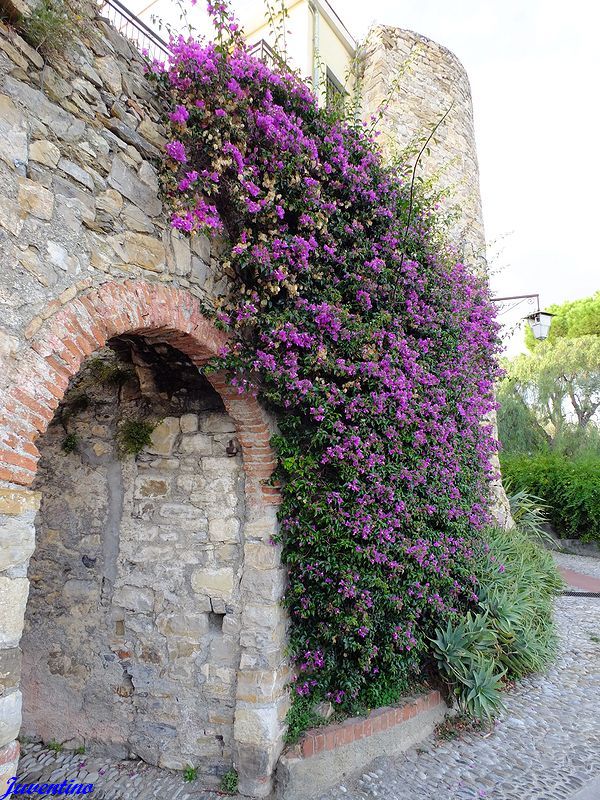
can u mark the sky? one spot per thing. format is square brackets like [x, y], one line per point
[534, 67]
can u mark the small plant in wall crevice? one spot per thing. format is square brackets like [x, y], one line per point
[190, 774]
[229, 782]
[134, 435]
[70, 443]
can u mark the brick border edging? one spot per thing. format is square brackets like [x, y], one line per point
[351, 730]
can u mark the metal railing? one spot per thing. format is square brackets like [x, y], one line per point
[132, 28]
[263, 51]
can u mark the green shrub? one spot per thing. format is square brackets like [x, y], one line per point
[300, 717]
[134, 435]
[570, 489]
[49, 27]
[511, 635]
[529, 513]
[229, 782]
[70, 443]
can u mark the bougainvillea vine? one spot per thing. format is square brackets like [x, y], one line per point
[381, 396]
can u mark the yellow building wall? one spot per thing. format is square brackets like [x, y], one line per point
[312, 42]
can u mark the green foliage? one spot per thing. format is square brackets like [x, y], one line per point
[300, 717]
[49, 27]
[570, 489]
[552, 393]
[512, 633]
[79, 751]
[229, 782]
[529, 513]
[110, 372]
[190, 774]
[134, 435]
[55, 746]
[572, 319]
[518, 428]
[70, 443]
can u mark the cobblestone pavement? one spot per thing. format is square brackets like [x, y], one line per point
[119, 780]
[583, 564]
[546, 746]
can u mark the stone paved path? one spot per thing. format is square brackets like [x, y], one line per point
[546, 746]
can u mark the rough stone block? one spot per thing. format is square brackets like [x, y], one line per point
[10, 217]
[217, 423]
[198, 444]
[13, 598]
[262, 555]
[164, 436]
[10, 717]
[144, 251]
[35, 200]
[77, 173]
[63, 125]
[210, 582]
[135, 598]
[10, 669]
[265, 584]
[224, 530]
[256, 725]
[124, 180]
[108, 69]
[13, 134]
[17, 540]
[44, 152]
[151, 487]
[189, 423]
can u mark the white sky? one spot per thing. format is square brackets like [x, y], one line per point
[534, 67]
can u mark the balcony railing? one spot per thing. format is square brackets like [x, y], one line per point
[263, 51]
[132, 28]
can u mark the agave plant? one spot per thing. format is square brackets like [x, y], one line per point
[480, 694]
[529, 513]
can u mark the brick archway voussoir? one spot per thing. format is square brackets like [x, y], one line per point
[83, 325]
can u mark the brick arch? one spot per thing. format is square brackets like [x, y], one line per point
[54, 354]
[86, 323]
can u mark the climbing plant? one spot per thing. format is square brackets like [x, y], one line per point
[352, 320]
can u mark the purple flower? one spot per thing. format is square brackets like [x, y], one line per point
[180, 115]
[176, 150]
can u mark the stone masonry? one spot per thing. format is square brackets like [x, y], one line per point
[87, 255]
[411, 82]
[132, 627]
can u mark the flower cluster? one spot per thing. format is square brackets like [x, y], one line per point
[374, 348]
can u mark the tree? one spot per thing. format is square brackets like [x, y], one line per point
[572, 319]
[558, 373]
[518, 428]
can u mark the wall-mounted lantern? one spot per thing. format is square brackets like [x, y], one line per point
[539, 321]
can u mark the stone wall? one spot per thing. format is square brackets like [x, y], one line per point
[412, 82]
[131, 633]
[86, 255]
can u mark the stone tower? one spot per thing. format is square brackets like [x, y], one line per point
[411, 82]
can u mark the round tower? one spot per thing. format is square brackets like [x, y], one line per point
[411, 82]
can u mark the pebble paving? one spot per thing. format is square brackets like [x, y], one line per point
[582, 564]
[546, 745]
